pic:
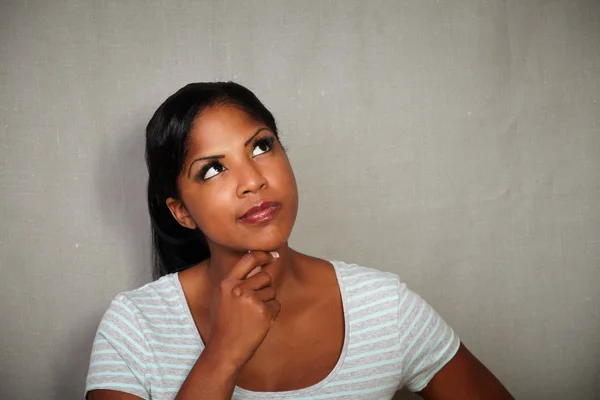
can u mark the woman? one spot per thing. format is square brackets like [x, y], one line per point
[235, 312]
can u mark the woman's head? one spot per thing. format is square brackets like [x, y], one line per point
[213, 153]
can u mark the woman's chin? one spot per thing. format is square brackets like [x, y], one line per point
[271, 244]
[265, 240]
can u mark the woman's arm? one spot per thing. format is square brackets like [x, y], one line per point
[465, 378]
[243, 310]
[103, 394]
[210, 378]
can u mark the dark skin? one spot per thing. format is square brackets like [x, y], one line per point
[302, 311]
[269, 323]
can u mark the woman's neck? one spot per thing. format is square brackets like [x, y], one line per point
[284, 270]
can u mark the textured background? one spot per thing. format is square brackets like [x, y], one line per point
[456, 143]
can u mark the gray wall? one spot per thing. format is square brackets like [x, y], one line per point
[456, 143]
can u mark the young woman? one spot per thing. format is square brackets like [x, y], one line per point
[235, 312]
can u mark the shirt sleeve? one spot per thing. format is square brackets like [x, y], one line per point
[427, 342]
[119, 352]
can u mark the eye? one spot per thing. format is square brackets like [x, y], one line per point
[210, 170]
[262, 145]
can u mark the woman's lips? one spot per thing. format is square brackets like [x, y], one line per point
[265, 211]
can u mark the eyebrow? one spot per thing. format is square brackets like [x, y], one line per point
[219, 156]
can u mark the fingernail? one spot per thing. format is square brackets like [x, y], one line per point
[254, 272]
[275, 254]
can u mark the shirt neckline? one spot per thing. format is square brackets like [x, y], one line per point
[298, 392]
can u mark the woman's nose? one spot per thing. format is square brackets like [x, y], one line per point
[251, 180]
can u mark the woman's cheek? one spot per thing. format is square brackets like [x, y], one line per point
[204, 207]
[281, 173]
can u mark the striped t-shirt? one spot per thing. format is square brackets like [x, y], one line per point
[147, 341]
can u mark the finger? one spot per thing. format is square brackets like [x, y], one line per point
[274, 307]
[266, 294]
[249, 262]
[258, 281]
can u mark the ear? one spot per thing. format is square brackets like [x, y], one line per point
[179, 212]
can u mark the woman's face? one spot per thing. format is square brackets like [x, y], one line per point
[237, 185]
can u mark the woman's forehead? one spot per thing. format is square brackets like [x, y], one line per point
[221, 126]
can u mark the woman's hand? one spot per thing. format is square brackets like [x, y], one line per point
[243, 310]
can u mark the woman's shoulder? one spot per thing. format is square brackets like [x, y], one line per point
[349, 271]
[164, 289]
[150, 303]
[364, 285]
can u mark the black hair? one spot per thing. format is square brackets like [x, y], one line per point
[175, 247]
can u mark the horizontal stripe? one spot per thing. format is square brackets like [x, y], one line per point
[373, 328]
[368, 378]
[170, 335]
[366, 283]
[134, 329]
[376, 315]
[165, 390]
[173, 345]
[173, 355]
[163, 316]
[374, 303]
[102, 352]
[373, 340]
[159, 307]
[154, 298]
[169, 365]
[392, 349]
[126, 336]
[355, 392]
[395, 360]
[119, 362]
[166, 289]
[363, 295]
[100, 374]
[175, 326]
[123, 348]
[167, 377]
